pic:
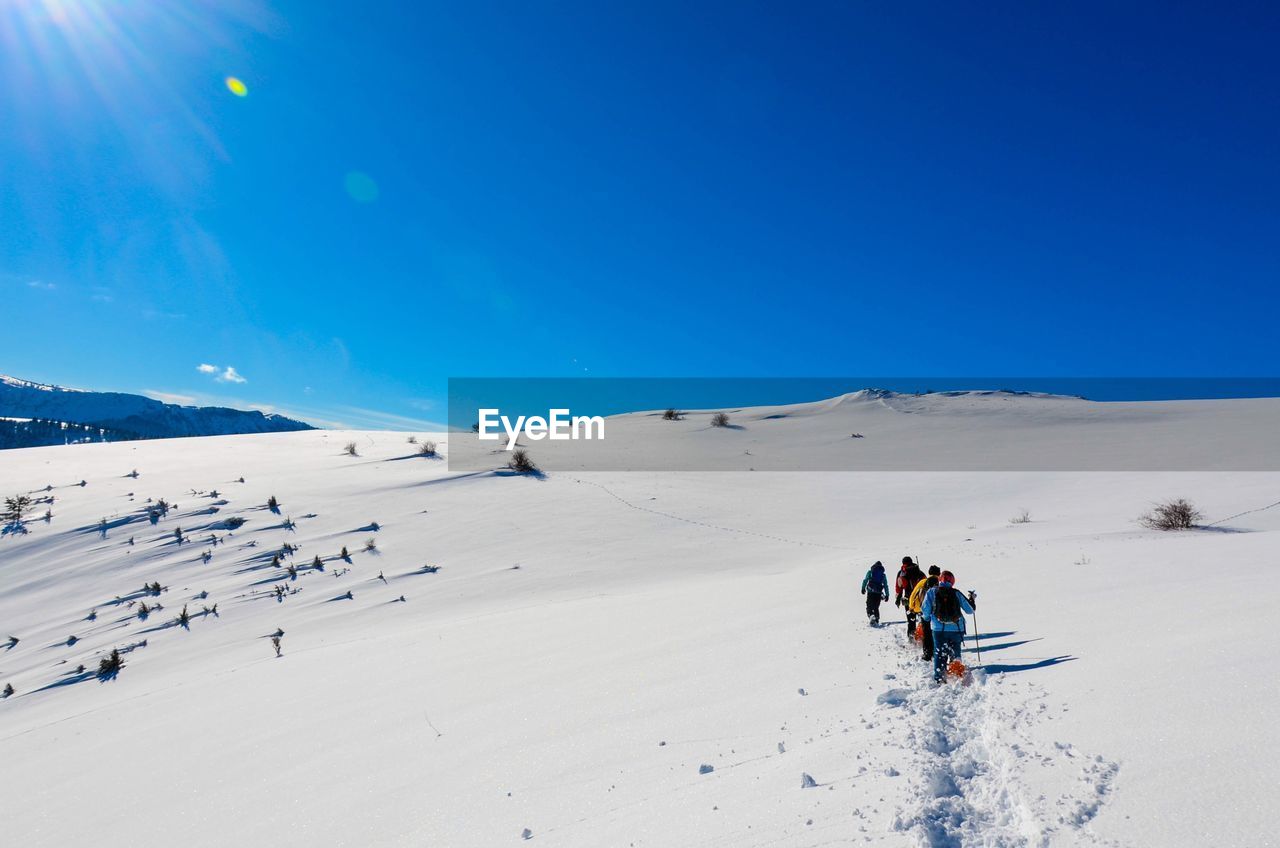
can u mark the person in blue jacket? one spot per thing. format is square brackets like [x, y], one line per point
[944, 608]
[876, 587]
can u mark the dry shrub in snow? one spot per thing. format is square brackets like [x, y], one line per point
[427, 449]
[350, 449]
[1178, 514]
[15, 508]
[672, 415]
[1023, 517]
[522, 463]
[720, 419]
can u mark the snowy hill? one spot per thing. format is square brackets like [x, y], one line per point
[118, 416]
[603, 659]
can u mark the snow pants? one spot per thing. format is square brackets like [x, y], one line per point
[946, 647]
[926, 638]
[873, 605]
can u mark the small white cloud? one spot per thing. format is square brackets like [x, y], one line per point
[41, 284]
[230, 375]
[206, 368]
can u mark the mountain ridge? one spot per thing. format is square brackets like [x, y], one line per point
[118, 416]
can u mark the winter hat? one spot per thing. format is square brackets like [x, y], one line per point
[933, 570]
[947, 577]
[878, 566]
[907, 561]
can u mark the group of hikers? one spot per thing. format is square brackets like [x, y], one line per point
[933, 604]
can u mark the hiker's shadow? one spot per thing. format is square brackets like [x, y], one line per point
[975, 643]
[1008, 668]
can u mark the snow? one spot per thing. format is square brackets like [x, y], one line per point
[591, 641]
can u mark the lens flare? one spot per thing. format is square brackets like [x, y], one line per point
[361, 187]
[236, 86]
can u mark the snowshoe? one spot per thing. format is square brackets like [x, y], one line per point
[958, 671]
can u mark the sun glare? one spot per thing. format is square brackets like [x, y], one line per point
[237, 87]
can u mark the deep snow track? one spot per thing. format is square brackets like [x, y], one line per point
[979, 772]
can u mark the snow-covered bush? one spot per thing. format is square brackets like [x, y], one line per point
[1023, 517]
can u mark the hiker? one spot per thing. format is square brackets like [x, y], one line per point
[908, 576]
[876, 587]
[944, 607]
[916, 605]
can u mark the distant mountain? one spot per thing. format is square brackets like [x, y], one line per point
[34, 414]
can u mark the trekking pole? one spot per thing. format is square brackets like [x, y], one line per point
[977, 632]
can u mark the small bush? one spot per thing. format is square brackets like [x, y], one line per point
[521, 463]
[413, 440]
[672, 415]
[1178, 514]
[720, 419]
[8, 690]
[273, 504]
[109, 666]
[427, 449]
[1023, 517]
[350, 449]
[15, 508]
[370, 544]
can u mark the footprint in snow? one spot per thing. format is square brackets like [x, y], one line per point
[894, 697]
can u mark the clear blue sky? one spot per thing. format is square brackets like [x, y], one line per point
[411, 191]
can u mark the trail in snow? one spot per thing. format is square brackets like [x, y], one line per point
[980, 776]
[709, 525]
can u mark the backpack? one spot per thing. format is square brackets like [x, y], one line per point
[946, 606]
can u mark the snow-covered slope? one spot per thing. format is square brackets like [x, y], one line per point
[132, 416]
[591, 641]
[877, 430]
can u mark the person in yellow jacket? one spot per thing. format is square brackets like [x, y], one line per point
[915, 604]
